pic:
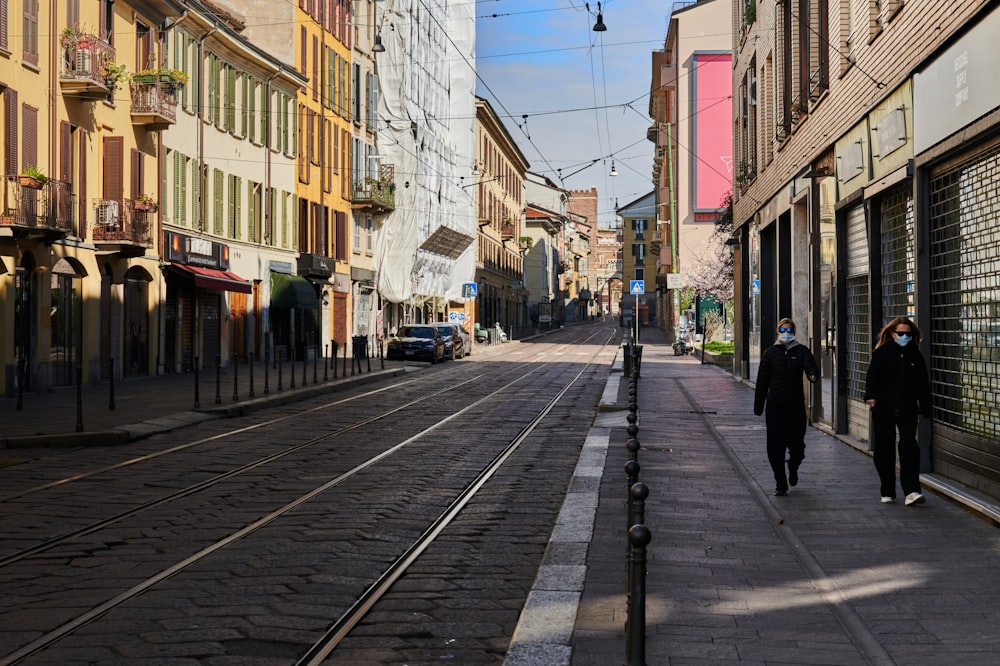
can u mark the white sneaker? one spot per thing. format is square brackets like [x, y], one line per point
[914, 498]
[887, 500]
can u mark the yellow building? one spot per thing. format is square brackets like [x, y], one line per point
[79, 246]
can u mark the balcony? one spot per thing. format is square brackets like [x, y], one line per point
[154, 104]
[44, 211]
[84, 71]
[375, 195]
[123, 226]
[506, 231]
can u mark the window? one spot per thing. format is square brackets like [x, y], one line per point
[640, 273]
[30, 30]
[639, 252]
[235, 191]
[218, 202]
[639, 228]
[369, 223]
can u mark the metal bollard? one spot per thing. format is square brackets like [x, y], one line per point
[305, 359]
[218, 379]
[280, 388]
[79, 398]
[381, 356]
[333, 357]
[250, 355]
[315, 362]
[632, 474]
[355, 363]
[197, 389]
[236, 392]
[637, 494]
[111, 399]
[291, 365]
[326, 366]
[267, 362]
[20, 385]
[639, 537]
[633, 449]
[368, 356]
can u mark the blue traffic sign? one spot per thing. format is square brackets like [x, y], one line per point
[637, 287]
[469, 289]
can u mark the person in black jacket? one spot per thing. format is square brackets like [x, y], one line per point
[779, 385]
[898, 390]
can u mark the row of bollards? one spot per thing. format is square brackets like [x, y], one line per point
[639, 535]
[360, 363]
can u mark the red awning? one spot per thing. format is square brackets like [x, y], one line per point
[212, 278]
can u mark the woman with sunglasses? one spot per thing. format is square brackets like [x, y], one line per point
[897, 390]
[779, 385]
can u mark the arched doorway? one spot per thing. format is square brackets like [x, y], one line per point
[136, 323]
[66, 322]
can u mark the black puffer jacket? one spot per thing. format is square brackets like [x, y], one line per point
[779, 378]
[897, 381]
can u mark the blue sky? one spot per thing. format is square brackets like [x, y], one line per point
[585, 93]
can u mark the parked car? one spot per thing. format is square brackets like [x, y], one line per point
[417, 342]
[454, 343]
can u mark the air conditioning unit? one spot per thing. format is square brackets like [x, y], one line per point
[108, 213]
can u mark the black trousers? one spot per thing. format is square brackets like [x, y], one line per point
[884, 430]
[786, 431]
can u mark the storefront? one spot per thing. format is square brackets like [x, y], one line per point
[198, 283]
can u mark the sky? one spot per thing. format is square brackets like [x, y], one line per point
[585, 94]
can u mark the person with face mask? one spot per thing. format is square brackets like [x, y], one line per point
[779, 387]
[898, 390]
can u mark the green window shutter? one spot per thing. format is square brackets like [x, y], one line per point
[196, 210]
[233, 194]
[252, 91]
[182, 209]
[218, 192]
[264, 104]
[245, 105]
[251, 212]
[230, 105]
[239, 201]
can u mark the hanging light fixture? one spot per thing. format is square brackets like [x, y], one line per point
[379, 46]
[614, 172]
[599, 26]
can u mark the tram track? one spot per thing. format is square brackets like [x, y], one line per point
[399, 563]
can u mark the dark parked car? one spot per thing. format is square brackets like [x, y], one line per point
[416, 342]
[454, 342]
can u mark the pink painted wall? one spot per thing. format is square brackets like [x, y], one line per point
[712, 162]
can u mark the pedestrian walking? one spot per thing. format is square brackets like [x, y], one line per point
[897, 389]
[779, 388]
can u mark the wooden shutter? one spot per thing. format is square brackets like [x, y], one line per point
[29, 139]
[65, 152]
[10, 125]
[29, 41]
[136, 173]
[217, 198]
[4, 8]
[114, 154]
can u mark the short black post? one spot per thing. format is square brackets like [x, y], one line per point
[197, 388]
[79, 398]
[632, 474]
[252, 394]
[291, 371]
[333, 357]
[305, 357]
[20, 384]
[326, 366]
[637, 494]
[315, 364]
[633, 448]
[218, 379]
[267, 362]
[236, 391]
[111, 389]
[368, 357]
[639, 537]
[343, 367]
[280, 387]
[355, 362]
[381, 356]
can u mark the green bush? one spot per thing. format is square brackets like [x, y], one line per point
[719, 347]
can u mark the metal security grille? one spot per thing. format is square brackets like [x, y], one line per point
[897, 253]
[858, 307]
[858, 340]
[965, 294]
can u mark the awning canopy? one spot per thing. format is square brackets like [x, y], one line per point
[292, 291]
[212, 278]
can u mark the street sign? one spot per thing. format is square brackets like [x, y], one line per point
[674, 281]
[755, 287]
[469, 289]
[456, 317]
[637, 287]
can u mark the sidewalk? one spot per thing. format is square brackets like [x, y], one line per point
[826, 575]
[147, 405]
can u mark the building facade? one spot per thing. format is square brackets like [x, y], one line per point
[866, 164]
[639, 302]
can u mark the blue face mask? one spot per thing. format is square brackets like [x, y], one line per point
[903, 339]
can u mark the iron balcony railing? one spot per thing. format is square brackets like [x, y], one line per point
[45, 206]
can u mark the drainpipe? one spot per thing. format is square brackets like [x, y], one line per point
[673, 214]
[202, 204]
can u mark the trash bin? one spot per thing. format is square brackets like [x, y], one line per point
[359, 345]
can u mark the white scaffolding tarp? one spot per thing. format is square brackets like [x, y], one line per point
[426, 130]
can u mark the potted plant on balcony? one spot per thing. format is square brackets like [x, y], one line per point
[799, 109]
[32, 177]
[171, 78]
[114, 75]
[146, 203]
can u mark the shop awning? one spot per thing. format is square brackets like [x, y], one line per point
[292, 291]
[213, 278]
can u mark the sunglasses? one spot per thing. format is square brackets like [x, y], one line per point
[785, 329]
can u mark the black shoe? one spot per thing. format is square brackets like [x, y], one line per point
[793, 476]
[780, 493]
